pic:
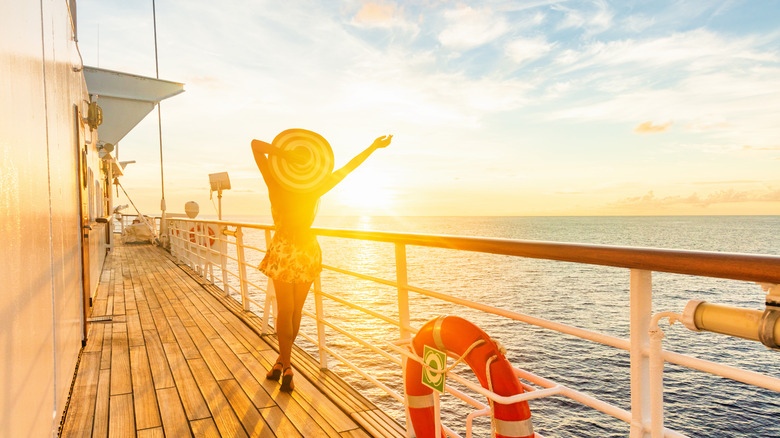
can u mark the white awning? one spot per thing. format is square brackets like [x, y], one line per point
[125, 99]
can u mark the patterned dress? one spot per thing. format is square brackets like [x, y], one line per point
[294, 255]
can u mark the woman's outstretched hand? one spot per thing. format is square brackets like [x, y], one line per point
[382, 142]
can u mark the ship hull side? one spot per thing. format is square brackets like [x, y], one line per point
[41, 302]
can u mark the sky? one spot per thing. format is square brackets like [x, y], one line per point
[520, 108]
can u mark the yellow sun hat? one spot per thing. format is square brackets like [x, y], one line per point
[305, 176]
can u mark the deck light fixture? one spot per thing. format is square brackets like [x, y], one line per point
[219, 182]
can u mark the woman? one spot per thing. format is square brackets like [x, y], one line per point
[294, 258]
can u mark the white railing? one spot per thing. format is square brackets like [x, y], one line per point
[208, 246]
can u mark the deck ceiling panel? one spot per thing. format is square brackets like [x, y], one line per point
[125, 99]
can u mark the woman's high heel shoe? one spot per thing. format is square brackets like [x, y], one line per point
[287, 381]
[276, 372]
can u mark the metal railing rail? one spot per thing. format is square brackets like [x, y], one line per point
[190, 242]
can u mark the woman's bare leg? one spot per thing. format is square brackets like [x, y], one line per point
[290, 298]
[285, 304]
[300, 292]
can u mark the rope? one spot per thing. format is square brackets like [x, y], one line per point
[142, 217]
[159, 118]
[490, 387]
[474, 345]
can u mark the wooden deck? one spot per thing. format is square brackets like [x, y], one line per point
[178, 359]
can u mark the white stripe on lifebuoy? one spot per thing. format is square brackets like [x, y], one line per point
[437, 333]
[513, 429]
[419, 401]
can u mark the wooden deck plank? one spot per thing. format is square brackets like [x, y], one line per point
[213, 360]
[158, 363]
[118, 292]
[120, 361]
[109, 305]
[99, 304]
[105, 354]
[156, 432]
[204, 428]
[82, 403]
[163, 328]
[305, 420]
[184, 316]
[174, 419]
[95, 340]
[221, 412]
[280, 424]
[102, 399]
[145, 315]
[246, 411]
[355, 433]
[188, 347]
[135, 335]
[375, 424]
[202, 321]
[121, 422]
[147, 413]
[191, 398]
[227, 335]
[249, 383]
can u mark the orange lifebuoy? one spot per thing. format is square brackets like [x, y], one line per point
[459, 336]
[198, 229]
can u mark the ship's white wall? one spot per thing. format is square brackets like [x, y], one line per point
[64, 88]
[40, 271]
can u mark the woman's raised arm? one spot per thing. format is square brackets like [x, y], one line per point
[259, 150]
[337, 176]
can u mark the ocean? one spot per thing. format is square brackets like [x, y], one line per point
[590, 297]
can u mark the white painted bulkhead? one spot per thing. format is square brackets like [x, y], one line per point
[41, 294]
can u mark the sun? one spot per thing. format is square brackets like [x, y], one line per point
[370, 193]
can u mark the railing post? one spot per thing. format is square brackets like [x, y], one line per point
[403, 321]
[242, 267]
[270, 292]
[179, 243]
[202, 251]
[172, 232]
[656, 382]
[223, 259]
[320, 325]
[209, 251]
[641, 299]
[403, 292]
[188, 236]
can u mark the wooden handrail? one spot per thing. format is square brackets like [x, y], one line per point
[747, 267]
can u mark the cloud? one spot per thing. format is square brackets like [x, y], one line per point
[375, 13]
[528, 49]
[744, 181]
[707, 125]
[593, 21]
[649, 128]
[382, 14]
[468, 28]
[758, 148]
[638, 23]
[651, 201]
